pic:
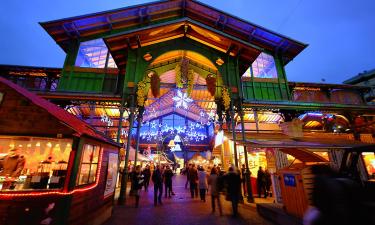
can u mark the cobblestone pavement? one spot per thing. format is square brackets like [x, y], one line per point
[181, 209]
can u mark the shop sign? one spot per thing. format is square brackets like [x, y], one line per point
[111, 174]
[289, 180]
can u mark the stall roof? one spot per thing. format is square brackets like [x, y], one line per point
[303, 155]
[279, 140]
[80, 127]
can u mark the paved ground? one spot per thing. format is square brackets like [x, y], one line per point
[181, 210]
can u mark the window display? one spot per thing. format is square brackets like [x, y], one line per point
[33, 163]
[89, 165]
[369, 160]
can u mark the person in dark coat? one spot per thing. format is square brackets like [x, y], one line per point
[137, 182]
[336, 199]
[147, 175]
[233, 181]
[157, 179]
[193, 180]
[168, 174]
[268, 183]
[261, 182]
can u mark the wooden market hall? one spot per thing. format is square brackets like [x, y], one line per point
[174, 82]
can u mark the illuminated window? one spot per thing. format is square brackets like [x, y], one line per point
[93, 54]
[41, 162]
[369, 160]
[89, 165]
[263, 67]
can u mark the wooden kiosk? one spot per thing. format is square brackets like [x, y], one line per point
[54, 168]
[296, 181]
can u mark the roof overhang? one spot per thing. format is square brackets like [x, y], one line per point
[104, 24]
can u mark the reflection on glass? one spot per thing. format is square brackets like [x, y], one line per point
[89, 165]
[93, 54]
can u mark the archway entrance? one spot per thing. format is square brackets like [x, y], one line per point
[182, 110]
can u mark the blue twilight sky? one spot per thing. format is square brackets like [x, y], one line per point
[340, 33]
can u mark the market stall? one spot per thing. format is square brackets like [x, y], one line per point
[54, 168]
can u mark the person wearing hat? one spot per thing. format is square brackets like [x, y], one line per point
[12, 164]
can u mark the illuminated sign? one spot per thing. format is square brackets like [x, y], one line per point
[289, 180]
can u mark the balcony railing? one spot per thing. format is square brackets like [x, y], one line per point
[37, 83]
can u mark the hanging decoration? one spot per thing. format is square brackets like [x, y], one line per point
[225, 97]
[178, 76]
[142, 91]
[155, 85]
[184, 70]
[211, 84]
[190, 133]
[190, 83]
[182, 100]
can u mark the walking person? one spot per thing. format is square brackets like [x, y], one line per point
[187, 168]
[193, 180]
[243, 177]
[261, 182]
[202, 183]
[233, 181]
[268, 183]
[137, 182]
[168, 174]
[214, 187]
[157, 179]
[146, 176]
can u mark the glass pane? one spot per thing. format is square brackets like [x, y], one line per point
[93, 54]
[369, 159]
[92, 177]
[95, 157]
[87, 154]
[84, 174]
[38, 160]
[264, 66]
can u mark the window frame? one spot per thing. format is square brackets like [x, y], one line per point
[91, 164]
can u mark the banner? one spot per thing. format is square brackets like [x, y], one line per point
[112, 170]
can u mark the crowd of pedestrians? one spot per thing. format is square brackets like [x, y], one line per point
[212, 181]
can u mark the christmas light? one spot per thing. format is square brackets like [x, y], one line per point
[182, 100]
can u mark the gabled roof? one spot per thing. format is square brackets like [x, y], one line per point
[366, 75]
[165, 106]
[81, 128]
[238, 35]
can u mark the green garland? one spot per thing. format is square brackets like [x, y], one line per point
[226, 97]
[178, 76]
[142, 91]
[190, 83]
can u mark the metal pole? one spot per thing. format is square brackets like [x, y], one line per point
[234, 136]
[124, 178]
[139, 119]
[247, 174]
